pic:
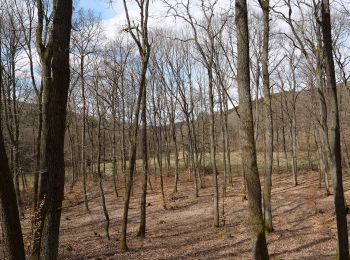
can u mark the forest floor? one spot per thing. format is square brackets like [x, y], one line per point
[303, 219]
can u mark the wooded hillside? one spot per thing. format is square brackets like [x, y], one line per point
[198, 129]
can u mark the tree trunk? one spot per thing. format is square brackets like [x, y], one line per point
[10, 222]
[55, 128]
[11, 225]
[334, 135]
[114, 152]
[322, 130]
[142, 228]
[100, 177]
[278, 149]
[191, 162]
[284, 143]
[247, 134]
[213, 149]
[38, 153]
[223, 136]
[132, 158]
[265, 5]
[294, 149]
[173, 130]
[257, 83]
[38, 220]
[227, 140]
[71, 146]
[83, 134]
[160, 165]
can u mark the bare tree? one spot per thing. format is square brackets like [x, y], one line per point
[204, 35]
[11, 89]
[55, 76]
[101, 111]
[87, 33]
[334, 134]
[139, 33]
[248, 152]
[10, 224]
[265, 6]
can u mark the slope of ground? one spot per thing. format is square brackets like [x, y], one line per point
[303, 218]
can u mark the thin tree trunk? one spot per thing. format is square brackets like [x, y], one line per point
[323, 124]
[144, 50]
[213, 150]
[294, 149]
[83, 134]
[10, 221]
[224, 148]
[99, 173]
[249, 161]
[284, 143]
[176, 156]
[38, 219]
[71, 146]
[142, 228]
[227, 141]
[38, 153]
[278, 150]
[160, 166]
[257, 85]
[334, 135]
[265, 5]
[114, 153]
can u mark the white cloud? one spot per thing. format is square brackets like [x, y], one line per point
[158, 15]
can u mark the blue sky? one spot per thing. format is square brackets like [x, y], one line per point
[113, 18]
[99, 7]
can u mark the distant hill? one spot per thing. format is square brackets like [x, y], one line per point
[282, 115]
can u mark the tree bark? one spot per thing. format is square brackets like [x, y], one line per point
[38, 151]
[83, 133]
[55, 118]
[11, 225]
[10, 222]
[247, 134]
[99, 173]
[144, 50]
[213, 150]
[334, 135]
[265, 5]
[142, 228]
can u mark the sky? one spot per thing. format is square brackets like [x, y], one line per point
[113, 16]
[100, 7]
